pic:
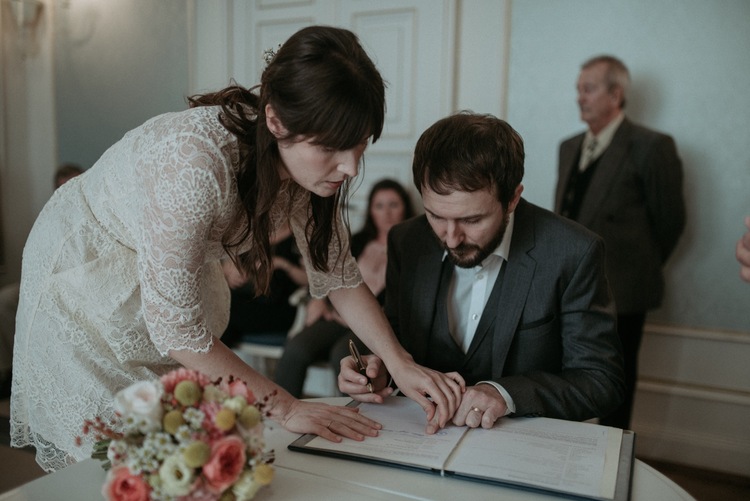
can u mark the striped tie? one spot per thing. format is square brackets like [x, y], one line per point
[588, 155]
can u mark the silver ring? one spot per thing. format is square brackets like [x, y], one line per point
[476, 409]
[329, 424]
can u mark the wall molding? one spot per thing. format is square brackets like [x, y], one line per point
[705, 334]
[707, 394]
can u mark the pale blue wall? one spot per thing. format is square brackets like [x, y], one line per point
[690, 70]
[117, 64]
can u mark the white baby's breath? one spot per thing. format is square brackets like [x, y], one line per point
[140, 460]
[117, 450]
[159, 444]
[194, 417]
[184, 434]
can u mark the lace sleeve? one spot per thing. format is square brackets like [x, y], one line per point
[182, 201]
[343, 271]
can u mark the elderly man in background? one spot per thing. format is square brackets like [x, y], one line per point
[623, 182]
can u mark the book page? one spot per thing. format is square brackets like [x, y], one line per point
[565, 456]
[402, 440]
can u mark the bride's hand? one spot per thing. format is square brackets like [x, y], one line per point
[328, 421]
[418, 383]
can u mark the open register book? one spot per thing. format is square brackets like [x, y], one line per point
[572, 459]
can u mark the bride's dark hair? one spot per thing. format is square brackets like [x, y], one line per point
[322, 85]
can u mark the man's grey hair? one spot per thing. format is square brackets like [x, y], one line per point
[617, 74]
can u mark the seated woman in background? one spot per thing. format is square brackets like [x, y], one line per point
[326, 335]
[269, 313]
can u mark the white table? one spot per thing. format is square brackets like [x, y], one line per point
[305, 477]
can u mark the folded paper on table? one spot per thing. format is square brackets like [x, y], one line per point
[574, 459]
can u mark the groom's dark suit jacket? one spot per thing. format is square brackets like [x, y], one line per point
[547, 333]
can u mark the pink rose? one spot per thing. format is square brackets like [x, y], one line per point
[171, 379]
[235, 387]
[238, 388]
[121, 485]
[225, 464]
[210, 409]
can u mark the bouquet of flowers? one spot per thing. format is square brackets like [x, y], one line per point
[183, 438]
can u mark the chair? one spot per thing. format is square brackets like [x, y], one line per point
[263, 350]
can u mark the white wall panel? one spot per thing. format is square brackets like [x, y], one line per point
[692, 405]
[701, 428]
[410, 41]
[389, 37]
[697, 357]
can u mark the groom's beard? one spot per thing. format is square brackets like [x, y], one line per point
[471, 255]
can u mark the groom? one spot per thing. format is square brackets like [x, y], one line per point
[509, 295]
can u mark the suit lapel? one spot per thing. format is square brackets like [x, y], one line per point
[515, 287]
[568, 156]
[424, 296]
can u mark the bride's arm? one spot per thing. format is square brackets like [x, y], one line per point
[330, 422]
[365, 318]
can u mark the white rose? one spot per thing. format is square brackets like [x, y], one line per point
[176, 477]
[141, 403]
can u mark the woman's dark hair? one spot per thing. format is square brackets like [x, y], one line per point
[322, 85]
[369, 232]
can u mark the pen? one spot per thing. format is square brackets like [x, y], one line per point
[360, 365]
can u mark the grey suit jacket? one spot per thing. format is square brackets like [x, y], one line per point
[635, 203]
[554, 344]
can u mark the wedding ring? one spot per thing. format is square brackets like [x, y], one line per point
[329, 424]
[476, 409]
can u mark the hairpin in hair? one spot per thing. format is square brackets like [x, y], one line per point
[269, 54]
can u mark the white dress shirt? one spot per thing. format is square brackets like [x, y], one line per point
[603, 140]
[469, 290]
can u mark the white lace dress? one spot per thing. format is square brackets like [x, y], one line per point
[122, 266]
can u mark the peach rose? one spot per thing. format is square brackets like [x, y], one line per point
[225, 464]
[121, 485]
[238, 388]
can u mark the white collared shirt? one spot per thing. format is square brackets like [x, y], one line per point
[469, 290]
[603, 140]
